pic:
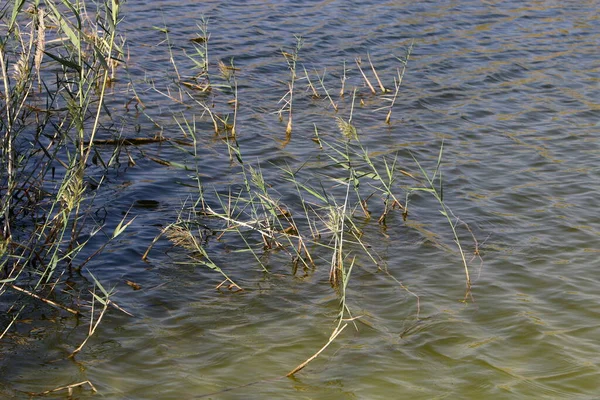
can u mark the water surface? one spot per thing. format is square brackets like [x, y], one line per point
[511, 87]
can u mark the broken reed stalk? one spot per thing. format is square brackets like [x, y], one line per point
[334, 335]
[236, 102]
[337, 221]
[315, 94]
[106, 302]
[287, 99]
[68, 388]
[50, 302]
[345, 277]
[316, 137]
[288, 129]
[383, 89]
[358, 62]
[93, 326]
[171, 57]
[12, 321]
[291, 60]
[386, 181]
[397, 84]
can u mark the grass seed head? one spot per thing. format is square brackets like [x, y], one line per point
[347, 129]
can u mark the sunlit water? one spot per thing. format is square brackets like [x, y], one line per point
[513, 89]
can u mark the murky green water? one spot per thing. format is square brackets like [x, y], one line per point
[512, 87]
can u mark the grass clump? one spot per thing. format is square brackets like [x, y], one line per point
[57, 63]
[320, 224]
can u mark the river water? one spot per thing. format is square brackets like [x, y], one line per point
[512, 88]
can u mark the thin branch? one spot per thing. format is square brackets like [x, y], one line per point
[305, 363]
[50, 302]
[69, 388]
[365, 77]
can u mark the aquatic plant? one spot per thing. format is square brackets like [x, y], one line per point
[397, 83]
[48, 225]
[50, 167]
[320, 225]
[291, 59]
[438, 193]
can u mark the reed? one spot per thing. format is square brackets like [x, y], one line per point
[314, 230]
[383, 89]
[320, 227]
[397, 84]
[343, 79]
[288, 99]
[313, 90]
[201, 80]
[434, 186]
[321, 79]
[51, 122]
[358, 61]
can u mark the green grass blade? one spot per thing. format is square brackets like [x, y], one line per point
[99, 285]
[65, 62]
[64, 26]
[16, 9]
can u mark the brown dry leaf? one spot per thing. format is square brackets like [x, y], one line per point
[134, 285]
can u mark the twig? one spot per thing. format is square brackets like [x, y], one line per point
[68, 387]
[383, 89]
[322, 81]
[52, 303]
[364, 76]
[115, 305]
[305, 363]
[93, 325]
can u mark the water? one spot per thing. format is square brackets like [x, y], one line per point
[513, 89]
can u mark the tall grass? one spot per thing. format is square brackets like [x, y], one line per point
[57, 63]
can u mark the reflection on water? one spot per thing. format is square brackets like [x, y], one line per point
[513, 89]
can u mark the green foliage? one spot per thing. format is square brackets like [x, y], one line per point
[43, 218]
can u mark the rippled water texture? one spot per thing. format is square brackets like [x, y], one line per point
[513, 88]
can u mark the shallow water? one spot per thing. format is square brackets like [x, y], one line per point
[511, 87]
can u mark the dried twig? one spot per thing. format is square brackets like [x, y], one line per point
[50, 302]
[69, 388]
[383, 89]
[364, 76]
[305, 363]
